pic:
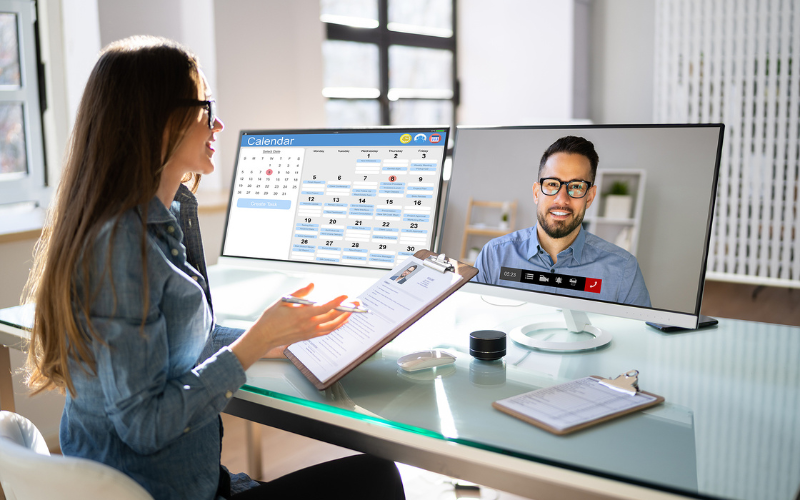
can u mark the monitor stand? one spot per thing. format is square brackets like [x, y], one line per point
[574, 321]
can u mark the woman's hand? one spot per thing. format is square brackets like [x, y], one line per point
[282, 324]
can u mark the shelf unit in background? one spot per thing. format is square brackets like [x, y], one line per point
[485, 230]
[614, 229]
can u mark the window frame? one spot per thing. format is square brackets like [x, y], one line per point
[384, 38]
[32, 186]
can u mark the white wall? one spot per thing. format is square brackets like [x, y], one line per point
[581, 77]
[188, 22]
[622, 61]
[515, 61]
[81, 44]
[540, 62]
[269, 67]
[143, 17]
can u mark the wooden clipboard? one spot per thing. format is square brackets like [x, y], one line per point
[542, 425]
[467, 272]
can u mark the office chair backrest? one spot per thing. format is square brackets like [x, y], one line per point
[29, 472]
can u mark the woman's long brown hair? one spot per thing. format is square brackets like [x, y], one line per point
[129, 123]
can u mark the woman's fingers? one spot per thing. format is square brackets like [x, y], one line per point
[295, 322]
[333, 319]
[303, 291]
[327, 317]
[326, 307]
[333, 303]
[332, 325]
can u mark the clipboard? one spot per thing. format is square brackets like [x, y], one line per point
[646, 401]
[431, 260]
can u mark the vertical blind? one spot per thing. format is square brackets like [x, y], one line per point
[736, 62]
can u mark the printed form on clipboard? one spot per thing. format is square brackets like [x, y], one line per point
[397, 300]
[575, 405]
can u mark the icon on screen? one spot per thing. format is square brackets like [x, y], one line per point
[405, 138]
[435, 138]
[420, 138]
[593, 285]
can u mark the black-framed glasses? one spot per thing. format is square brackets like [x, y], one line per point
[210, 106]
[575, 188]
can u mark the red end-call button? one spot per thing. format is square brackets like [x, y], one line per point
[593, 285]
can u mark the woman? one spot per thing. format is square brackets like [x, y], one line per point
[123, 313]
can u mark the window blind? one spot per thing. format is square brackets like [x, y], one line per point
[736, 62]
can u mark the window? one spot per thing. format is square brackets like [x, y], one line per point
[389, 62]
[22, 169]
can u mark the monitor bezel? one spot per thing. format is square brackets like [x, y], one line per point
[650, 314]
[287, 264]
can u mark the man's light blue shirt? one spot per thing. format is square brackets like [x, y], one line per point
[587, 257]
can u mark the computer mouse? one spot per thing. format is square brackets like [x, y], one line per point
[425, 359]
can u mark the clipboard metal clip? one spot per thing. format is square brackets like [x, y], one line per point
[627, 382]
[439, 263]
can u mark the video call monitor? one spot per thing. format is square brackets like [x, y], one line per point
[348, 197]
[644, 217]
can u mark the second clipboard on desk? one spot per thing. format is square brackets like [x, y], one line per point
[572, 406]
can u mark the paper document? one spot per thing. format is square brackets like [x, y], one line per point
[392, 300]
[574, 403]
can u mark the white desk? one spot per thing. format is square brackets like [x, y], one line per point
[730, 427]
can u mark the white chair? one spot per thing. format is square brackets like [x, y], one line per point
[28, 471]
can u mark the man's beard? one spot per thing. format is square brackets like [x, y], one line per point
[560, 229]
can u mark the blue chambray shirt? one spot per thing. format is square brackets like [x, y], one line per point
[587, 257]
[152, 410]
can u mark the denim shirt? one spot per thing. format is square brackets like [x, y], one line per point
[588, 256]
[152, 409]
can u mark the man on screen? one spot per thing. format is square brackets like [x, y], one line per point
[557, 245]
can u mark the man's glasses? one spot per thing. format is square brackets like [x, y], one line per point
[575, 189]
[211, 109]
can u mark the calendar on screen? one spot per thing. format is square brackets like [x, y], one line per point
[366, 197]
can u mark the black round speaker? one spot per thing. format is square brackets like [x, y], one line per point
[487, 345]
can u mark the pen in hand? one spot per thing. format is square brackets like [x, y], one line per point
[343, 308]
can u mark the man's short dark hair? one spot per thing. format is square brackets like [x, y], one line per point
[574, 145]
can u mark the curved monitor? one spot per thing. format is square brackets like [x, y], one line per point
[640, 249]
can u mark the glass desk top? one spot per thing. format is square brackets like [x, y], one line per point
[730, 427]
